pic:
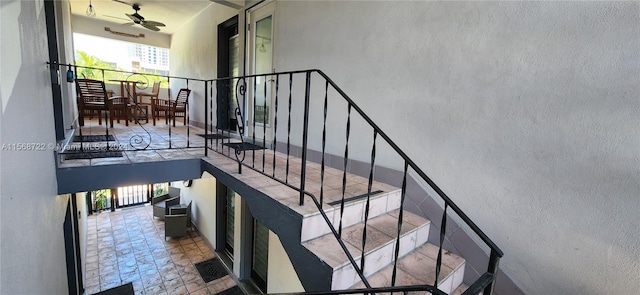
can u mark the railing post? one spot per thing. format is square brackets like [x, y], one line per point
[305, 131]
[206, 118]
[494, 261]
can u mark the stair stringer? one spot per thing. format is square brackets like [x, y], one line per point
[314, 274]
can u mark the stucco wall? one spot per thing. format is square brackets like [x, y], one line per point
[193, 54]
[525, 113]
[282, 277]
[31, 215]
[95, 27]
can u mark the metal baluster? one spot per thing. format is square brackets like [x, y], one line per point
[253, 130]
[168, 116]
[244, 96]
[286, 179]
[400, 216]
[305, 135]
[207, 100]
[366, 207]
[211, 96]
[494, 261]
[344, 174]
[443, 229]
[275, 126]
[186, 113]
[324, 140]
[264, 123]
[106, 109]
[235, 90]
[219, 85]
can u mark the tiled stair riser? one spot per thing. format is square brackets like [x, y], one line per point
[314, 225]
[345, 276]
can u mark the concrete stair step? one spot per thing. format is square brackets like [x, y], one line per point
[419, 267]
[314, 225]
[379, 247]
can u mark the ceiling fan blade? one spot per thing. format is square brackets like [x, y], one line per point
[154, 23]
[116, 17]
[133, 18]
[150, 27]
[129, 24]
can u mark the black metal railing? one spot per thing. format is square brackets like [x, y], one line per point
[260, 143]
[133, 110]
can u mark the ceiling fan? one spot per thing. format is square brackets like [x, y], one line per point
[136, 18]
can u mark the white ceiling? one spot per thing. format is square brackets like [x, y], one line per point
[173, 13]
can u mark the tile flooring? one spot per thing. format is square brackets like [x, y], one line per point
[129, 246]
[164, 143]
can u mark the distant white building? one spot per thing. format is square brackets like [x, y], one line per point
[149, 58]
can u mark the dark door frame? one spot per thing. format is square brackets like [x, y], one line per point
[54, 69]
[72, 247]
[226, 30]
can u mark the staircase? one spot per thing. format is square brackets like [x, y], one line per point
[417, 258]
[354, 232]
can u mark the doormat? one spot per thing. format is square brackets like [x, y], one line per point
[354, 198]
[93, 138]
[211, 270]
[92, 155]
[243, 146]
[126, 289]
[232, 291]
[213, 136]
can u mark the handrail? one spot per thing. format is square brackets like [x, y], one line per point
[415, 167]
[124, 72]
[403, 289]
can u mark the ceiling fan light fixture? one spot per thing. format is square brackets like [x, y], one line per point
[90, 11]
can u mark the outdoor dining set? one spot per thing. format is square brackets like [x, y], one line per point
[94, 99]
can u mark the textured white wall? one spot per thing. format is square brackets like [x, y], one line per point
[31, 215]
[525, 113]
[282, 277]
[193, 54]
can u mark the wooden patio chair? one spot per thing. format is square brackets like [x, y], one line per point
[92, 96]
[91, 99]
[167, 108]
[155, 91]
[179, 108]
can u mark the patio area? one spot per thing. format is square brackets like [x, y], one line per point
[129, 246]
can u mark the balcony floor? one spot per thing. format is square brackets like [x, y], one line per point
[129, 246]
[166, 143]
